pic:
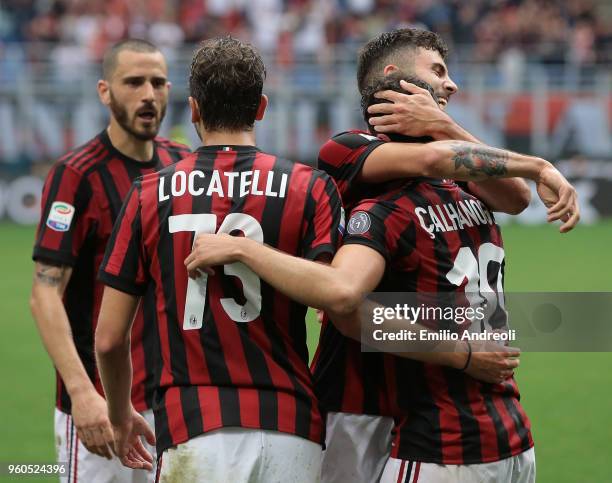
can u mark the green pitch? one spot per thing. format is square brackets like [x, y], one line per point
[568, 396]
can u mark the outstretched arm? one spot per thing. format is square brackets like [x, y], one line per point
[419, 115]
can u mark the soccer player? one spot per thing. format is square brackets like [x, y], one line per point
[82, 197]
[346, 378]
[234, 399]
[417, 246]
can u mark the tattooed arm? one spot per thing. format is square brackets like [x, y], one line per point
[88, 407]
[466, 161]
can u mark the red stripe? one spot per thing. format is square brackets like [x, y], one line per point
[400, 477]
[76, 458]
[416, 472]
[85, 161]
[210, 407]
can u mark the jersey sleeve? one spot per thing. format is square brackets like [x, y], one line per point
[343, 156]
[323, 218]
[66, 217]
[124, 261]
[379, 225]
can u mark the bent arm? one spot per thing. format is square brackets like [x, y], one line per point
[507, 195]
[113, 351]
[54, 327]
[339, 288]
[459, 160]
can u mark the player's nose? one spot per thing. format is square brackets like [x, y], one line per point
[148, 92]
[450, 87]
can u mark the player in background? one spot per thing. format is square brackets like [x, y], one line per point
[342, 285]
[82, 197]
[234, 399]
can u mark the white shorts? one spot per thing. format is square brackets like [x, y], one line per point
[239, 455]
[87, 467]
[357, 447]
[517, 469]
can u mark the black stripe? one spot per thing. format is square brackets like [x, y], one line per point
[115, 201]
[408, 472]
[329, 372]
[163, 438]
[190, 403]
[519, 423]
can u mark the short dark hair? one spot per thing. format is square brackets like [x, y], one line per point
[226, 81]
[109, 63]
[382, 50]
[391, 82]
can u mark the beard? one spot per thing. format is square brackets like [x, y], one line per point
[129, 124]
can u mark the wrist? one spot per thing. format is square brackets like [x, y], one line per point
[241, 248]
[80, 390]
[444, 128]
[537, 167]
[460, 357]
[120, 416]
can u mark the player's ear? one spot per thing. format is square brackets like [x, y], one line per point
[195, 110]
[261, 110]
[103, 92]
[390, 68]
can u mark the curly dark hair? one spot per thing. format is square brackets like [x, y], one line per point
[226, 81]
[384, 49]
[391, 82]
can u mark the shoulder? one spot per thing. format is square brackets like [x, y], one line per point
[172, 146]
[82, 158]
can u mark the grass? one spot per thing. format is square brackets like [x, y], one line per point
[567, 395]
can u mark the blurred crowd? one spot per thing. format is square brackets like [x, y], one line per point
[545, 31]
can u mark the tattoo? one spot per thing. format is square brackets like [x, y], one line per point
[49, 274]
[480, 161]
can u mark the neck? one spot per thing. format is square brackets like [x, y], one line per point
[127, 144]
[226, 138]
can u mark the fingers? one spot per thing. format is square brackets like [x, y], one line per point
[562, 205]
[512, 352]
[382, 120]
[390, 96]
[142, 452]
[95, 441]
[412, 88]
[571, 222]
[134, 460]
[382, 108]
[148, 433]
[390, 128]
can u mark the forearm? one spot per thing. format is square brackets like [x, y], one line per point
[467, 161]
[288, 274]
[115, 367]
[358, 325]
[48, 310]
[54, 329]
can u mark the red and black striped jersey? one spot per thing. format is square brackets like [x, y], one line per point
[343, 384]
[232, 350]
[438, 239]
[82, 197]
[342, 157]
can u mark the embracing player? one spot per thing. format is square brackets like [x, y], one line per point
[354, 159]
[234, 396]
[82, 197]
